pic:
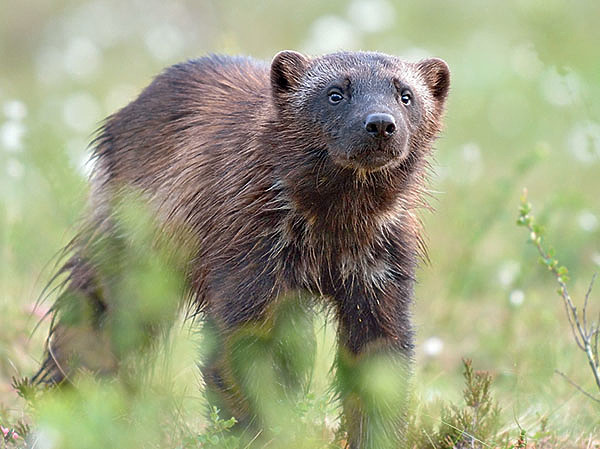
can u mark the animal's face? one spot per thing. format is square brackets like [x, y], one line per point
[368, 110]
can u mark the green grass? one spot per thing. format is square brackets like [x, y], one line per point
[524, 111]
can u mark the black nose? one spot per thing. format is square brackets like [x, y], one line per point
[380, 125]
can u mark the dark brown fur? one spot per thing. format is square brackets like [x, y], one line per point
[277, 194]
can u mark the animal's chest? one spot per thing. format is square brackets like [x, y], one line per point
[321, 257]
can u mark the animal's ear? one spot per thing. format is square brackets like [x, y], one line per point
[436, 74]
[287, 69]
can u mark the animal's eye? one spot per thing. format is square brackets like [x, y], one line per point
[335, 96]
[406, 97]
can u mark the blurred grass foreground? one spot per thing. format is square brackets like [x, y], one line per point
[524, 111]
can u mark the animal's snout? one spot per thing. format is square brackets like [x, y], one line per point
[380, 125]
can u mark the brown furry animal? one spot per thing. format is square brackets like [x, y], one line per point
[301, 176]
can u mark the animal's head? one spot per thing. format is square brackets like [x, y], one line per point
[367, 110]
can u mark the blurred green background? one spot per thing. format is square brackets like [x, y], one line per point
[524, 111]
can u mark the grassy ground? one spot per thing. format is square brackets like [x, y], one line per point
[524, 111]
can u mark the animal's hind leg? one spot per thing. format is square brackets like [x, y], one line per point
[75, 339]
[121, 291]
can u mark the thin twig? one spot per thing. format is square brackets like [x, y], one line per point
[593, 398]
[595, 347]
[253, 439]
[429, 438]
[570, 309]
[567, 298]
[580, 335]
[573, 330]
[587, 297]
[586, 337]
[464, 432]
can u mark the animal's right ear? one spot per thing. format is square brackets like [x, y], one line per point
[287, 69]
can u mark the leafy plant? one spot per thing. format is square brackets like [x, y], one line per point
[471, 425]
[585, 332]
[217, 434]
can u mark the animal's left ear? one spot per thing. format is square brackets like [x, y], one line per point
[436, 74]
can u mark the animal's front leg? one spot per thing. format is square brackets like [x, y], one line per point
[374, 364]
[260, 342]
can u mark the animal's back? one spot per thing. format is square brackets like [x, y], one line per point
[189, 143]
[191, 125]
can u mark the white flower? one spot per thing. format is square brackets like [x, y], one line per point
[14, 168]
[164, 42]
[15, 110]
[81, 58]
[81, 112]
[331, 33]
[584, 142]
[587, 221]
[371, 15]
[516, 297]
[560, 89]
[508, 272]
[433, 346]
[11, 135]
[525, 61]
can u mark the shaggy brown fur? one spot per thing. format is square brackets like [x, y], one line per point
[286, 179]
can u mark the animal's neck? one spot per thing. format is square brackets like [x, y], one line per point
[344, 197]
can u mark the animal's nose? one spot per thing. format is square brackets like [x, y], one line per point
[380, 125]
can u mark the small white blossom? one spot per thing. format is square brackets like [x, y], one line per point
[81, 58]
[331, 33]
[11, 135]
[433, 346]
[587, 221]
[371, 15]
[14, 168]
[15, 110]
[560, 89]
[164, 42]
[81, 112]
[508, 271]
[516, 297]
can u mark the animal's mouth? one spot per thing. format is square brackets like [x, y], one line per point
[371, 159]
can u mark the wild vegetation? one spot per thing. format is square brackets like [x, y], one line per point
[524, 111]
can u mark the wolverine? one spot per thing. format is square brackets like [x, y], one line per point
[299, 177]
